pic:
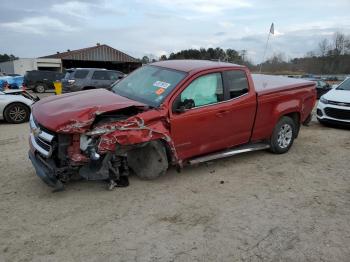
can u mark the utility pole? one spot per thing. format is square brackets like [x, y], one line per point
[271, 32]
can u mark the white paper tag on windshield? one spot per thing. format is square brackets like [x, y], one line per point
[161, 84]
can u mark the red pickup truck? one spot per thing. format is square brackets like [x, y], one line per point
[167, 113]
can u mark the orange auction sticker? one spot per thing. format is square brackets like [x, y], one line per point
[160, 91]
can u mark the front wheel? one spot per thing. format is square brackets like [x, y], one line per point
[39, 89]
[16, 113]
[283, 135]
[150, 161]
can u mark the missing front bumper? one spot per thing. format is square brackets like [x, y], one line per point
[46, 173]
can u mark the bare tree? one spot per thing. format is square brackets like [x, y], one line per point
[324, 47]
[339, 44]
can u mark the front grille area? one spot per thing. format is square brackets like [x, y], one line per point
[42, 140]
[338, 103]
[43, 144]
[337, 113]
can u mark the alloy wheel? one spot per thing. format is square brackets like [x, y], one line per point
[17, 114]
[285, 136]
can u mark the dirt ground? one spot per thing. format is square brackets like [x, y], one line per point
[251, 207]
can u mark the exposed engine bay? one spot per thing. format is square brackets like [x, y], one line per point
[100, 149]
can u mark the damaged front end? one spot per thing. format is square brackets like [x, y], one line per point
[103, 146]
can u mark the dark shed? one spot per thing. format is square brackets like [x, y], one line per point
[99, 56]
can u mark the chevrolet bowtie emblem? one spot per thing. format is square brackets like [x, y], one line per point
[36, 131]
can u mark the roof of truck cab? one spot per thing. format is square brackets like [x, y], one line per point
[193, 65]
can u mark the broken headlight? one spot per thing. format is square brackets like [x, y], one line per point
[88, 145]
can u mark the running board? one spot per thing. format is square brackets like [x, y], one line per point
[229, 152]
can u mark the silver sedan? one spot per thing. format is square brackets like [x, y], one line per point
[15, 106]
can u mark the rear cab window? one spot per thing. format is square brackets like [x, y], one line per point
[236, 83]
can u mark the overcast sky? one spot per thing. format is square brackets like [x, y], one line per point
[138, 27]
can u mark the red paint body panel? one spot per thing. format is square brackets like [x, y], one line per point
[78, 109]
[210, 128]
[198, 131]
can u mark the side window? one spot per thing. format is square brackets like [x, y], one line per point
[58, 76]
[236, 82]
[204, 90]
[80, 74]
[322, 84]
[114, 76]
[100, 75]
[45, 75]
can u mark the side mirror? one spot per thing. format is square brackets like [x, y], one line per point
[120, 77]
[185, 105]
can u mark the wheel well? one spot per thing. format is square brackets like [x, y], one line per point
[168, 151]
[88, 87]
[296, 118]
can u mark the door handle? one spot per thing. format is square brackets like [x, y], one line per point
[222, 113]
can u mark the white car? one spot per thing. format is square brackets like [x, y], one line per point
[334, 106]
[15, 106]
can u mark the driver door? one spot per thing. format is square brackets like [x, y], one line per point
[205, 127]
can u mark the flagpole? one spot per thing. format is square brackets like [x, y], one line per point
[267, 42]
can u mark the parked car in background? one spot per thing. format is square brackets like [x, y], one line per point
[4, 82]
[334, 106]
[11, 82]
[309, 76]
[15, 82]
[40, 81]
[331, 78]
[322, 87]
[13, 74]
[15, 105]
[79, 79]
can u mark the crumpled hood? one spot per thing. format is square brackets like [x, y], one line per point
[78, 110]
[338, 96]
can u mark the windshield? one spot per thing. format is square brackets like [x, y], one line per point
[345, 85]
[149, 84]
[68, 73]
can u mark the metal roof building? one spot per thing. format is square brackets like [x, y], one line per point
[99, 56]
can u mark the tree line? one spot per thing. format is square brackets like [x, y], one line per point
[6, 57]
[330, 57]
[215, 54]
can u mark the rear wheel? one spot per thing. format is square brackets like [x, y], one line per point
[16, 113]
[39, 88]
[283, 135]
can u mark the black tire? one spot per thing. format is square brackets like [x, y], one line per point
[149, 162]
[40, 88]
[88, 88]
[283, 135]
[322, 122]
[17, 113]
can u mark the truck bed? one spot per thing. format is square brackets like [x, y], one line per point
[265, 84]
